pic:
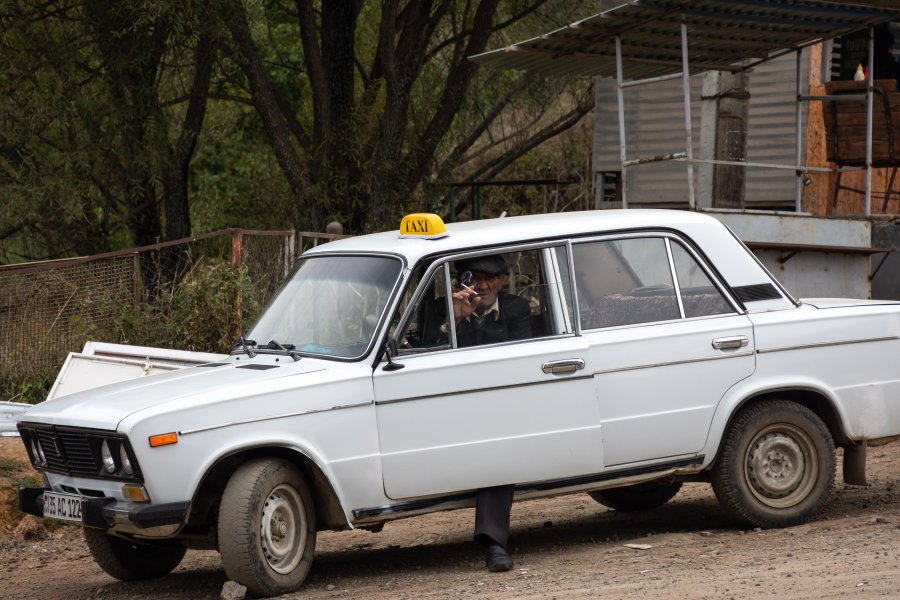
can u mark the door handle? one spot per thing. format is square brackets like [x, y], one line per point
[730, 343]
[559, 367]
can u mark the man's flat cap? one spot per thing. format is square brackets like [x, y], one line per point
[490, 265]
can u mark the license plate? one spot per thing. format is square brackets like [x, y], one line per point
[66, 507]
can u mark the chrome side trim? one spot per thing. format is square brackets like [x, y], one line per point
[827, 344]
[675, 362]
[476, 390]
[273, 417]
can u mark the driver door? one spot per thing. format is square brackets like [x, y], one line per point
[454, 419]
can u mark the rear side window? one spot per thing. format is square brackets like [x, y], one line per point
[698, 294]
[641, 280]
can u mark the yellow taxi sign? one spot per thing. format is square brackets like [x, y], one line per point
[426, 226]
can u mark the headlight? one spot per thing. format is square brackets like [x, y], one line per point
[108, 462]
[38, 453]
[123, 458]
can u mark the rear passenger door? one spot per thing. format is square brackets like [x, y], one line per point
[666, 341]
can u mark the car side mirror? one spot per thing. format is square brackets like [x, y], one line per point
[390, 350]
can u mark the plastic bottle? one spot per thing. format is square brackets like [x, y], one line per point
[860, 75]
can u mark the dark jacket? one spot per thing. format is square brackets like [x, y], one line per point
[513, 323]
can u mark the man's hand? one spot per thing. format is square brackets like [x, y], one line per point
[465, 302]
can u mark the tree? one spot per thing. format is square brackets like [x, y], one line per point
[365, 109]
[93, 112]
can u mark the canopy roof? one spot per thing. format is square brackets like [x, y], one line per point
[722, 35]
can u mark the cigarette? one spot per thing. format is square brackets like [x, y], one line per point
[470, 289]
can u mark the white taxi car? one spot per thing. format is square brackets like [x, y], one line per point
[659, 351]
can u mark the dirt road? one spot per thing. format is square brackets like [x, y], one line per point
[567, 547]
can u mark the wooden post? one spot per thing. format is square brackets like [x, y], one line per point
[731, 140]
[136, 281]
[237, 325]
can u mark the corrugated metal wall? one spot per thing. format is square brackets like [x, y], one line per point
[654, 125]
[772, 132]
[654, 121]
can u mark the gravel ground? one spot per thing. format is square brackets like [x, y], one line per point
[565, 547]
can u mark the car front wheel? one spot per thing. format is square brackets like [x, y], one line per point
[132, 561]
[776, 465]
[267, 527]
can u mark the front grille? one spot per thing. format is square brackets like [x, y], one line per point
[53, 451]
[77, 452]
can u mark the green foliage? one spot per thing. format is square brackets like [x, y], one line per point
[199, 313]
[9, 465]
[236, 181]
[31, 388]
[205, 311]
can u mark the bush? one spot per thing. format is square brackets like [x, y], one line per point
[205, 311]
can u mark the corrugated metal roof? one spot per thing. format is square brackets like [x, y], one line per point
[722, 35]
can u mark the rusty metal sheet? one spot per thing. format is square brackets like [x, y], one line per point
[722, 35]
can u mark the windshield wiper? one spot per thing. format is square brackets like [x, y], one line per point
[245, 346]
[286, 348]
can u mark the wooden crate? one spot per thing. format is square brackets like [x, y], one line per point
[845, 123]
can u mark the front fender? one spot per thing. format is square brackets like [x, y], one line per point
[332, 512]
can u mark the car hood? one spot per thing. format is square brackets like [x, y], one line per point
[105, 407]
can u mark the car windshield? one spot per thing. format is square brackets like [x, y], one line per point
[330, 305]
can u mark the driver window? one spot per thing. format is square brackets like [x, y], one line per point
[624, 282]
[428, 327]
[493, 299]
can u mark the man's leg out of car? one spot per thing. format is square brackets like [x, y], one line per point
[492, 508]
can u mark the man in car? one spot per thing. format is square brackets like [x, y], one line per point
[485, 314]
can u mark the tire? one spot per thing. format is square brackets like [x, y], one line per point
[131, 561]
[644, 496]
[776, 465]
[267, 527]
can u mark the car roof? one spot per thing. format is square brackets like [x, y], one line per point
[471, 235]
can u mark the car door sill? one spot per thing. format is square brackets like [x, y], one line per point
[453, 501]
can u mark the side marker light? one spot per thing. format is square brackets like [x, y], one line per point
[163, 439]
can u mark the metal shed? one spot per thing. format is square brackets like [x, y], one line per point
[654, 41]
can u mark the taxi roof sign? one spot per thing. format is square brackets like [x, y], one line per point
[426, 226]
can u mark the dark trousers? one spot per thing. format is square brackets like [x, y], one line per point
[492, 507]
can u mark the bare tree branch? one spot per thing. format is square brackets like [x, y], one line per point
[463, 146]
[492, 168]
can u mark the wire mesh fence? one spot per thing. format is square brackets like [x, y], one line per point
[51, 308]
[45, 312]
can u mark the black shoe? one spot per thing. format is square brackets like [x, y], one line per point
[497, 559]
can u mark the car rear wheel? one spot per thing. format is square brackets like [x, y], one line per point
[776, 465]
[267, 527]
[131, 561]
[644, 496]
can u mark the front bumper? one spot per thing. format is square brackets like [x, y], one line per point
[109, 513]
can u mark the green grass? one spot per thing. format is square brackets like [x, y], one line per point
[10, 465]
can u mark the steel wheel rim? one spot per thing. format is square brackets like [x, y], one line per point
[283, 529]
[780, 465]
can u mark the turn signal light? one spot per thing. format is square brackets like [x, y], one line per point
[135, 493]
[163, 439]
